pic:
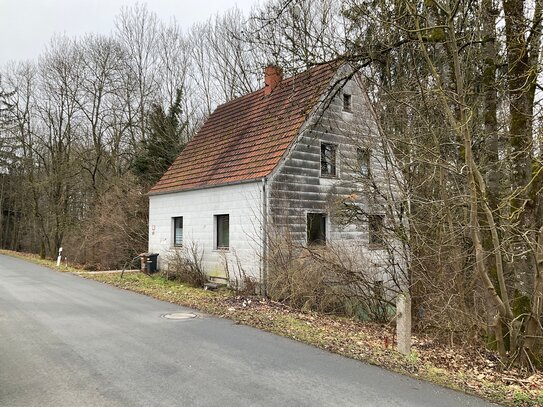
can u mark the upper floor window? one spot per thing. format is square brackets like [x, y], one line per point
[328, 160]
[178, 231]
[347, 103]
[316, 228]
[364, 155]
[222, 231]
[376, 225]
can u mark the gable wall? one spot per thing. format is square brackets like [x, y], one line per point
[297, 187]
[243, 202]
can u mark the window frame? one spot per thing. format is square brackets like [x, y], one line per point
[363, 156]
[347, 102]
[323, 223]
[175, 219]
[334, 166]
[218, 232]
[376, 238]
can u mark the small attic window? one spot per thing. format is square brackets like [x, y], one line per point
[347, 102]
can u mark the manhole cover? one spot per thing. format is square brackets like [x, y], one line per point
[179, 315]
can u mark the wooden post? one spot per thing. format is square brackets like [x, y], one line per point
[59, 258]
[403, 323]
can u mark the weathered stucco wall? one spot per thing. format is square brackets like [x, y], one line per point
[242, 202]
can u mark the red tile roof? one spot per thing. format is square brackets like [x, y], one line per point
[244, 139]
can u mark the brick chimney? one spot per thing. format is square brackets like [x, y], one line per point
[272, 77]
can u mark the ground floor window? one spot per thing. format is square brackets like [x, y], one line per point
[316, 228]
[223, 231]
[178, 231]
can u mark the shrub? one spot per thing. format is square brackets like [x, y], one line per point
[185, 264]
[325, 279]
[238, 279]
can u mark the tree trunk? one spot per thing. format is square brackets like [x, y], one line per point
[520, 83]
[533, 332]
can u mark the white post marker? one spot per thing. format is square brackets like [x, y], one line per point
[59, 258]
[403, 323]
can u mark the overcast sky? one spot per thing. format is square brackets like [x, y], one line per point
[26, 26]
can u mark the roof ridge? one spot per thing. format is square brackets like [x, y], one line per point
[289, 78]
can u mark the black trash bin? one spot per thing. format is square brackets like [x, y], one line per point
[149, 262]
[152, 263]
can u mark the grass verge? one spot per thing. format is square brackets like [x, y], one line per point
[474, 371]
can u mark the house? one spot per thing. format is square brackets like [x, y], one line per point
[279, 157]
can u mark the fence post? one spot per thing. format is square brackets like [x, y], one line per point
[403, 323]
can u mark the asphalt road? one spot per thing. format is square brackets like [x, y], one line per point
[67, 341]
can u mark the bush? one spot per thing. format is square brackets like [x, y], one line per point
[238, 279]
[325, 279]
[301, 284]
[115, 229]
[185, 264]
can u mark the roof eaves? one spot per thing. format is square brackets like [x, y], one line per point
[206, 186]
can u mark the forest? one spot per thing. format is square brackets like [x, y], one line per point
[92, 122]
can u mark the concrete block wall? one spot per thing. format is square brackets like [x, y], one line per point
[243, 204]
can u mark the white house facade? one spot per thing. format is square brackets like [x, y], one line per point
[200, 213]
